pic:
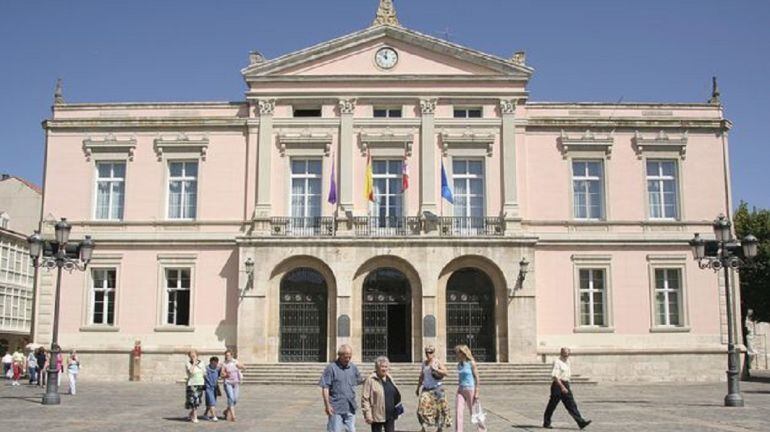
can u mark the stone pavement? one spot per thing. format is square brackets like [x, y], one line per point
[159, 407]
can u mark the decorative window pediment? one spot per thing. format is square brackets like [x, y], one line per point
[588, 142]
[306, 142]
[468, 140]
[110, 145]
[662, 142]
[181, 144]
[387, 141]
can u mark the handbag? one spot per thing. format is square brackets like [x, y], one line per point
[218, 390]
[400, 410]
[478, 416]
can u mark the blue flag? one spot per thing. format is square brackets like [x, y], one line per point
[446, 193]
[333, 186]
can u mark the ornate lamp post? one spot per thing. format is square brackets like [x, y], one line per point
[60, 254]
[726, 253]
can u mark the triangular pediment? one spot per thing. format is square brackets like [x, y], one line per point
[418, 54]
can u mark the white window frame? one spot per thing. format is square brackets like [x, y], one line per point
[669, 262]
[183, 179]
[16, 286]
[593, 262]
[178, 288]
[106, 290]
[306, 177]
[112, 179]
[585, 177]
[660, 178]
[175, 261]
[387, 195]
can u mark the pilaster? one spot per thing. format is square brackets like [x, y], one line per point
[347, 108]
[428, 155]
[266, 108]
[508, 144]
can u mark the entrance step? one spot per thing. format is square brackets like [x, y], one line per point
[408, 373]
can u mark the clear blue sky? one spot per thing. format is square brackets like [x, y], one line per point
[152, 50]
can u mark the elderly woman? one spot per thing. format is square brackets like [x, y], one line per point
[380, 397]
[432, 405]
[195, 382]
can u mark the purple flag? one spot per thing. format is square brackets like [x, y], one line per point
[333, 187]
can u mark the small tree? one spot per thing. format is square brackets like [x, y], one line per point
[755, 279]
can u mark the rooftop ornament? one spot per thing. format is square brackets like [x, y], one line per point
[386, 14]
[714, 99]
[58, 94]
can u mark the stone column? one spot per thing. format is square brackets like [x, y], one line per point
[508, 144]
[252, 143]
[428, 156]
[264, 155]
[347, 108]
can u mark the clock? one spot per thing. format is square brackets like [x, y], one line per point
[386, 58]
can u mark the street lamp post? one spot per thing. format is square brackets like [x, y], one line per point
[726, 253]
[60, 254]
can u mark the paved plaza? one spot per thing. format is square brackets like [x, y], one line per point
[159, 407]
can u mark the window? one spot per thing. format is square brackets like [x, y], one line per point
[103, 296]
[668, 297]
[387, 112]
[588, 189]
[593, 298]
[16, 277]
[307, 112]
[178, 296]
[662, 189]
[467, 112]
[182, 190]
[388, 191]
[305, 188]
[468, 179]
[110, 187]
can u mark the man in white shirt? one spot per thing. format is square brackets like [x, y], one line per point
[560, 392]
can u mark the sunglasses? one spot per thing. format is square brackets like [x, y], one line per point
[429, 352]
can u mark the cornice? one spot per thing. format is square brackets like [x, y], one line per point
[660, 142]
[82, 106]
[109, 144]
[305, 140]
[628, 123]
[134, 123]
[586, 142]
[181, 143]
[386, 78]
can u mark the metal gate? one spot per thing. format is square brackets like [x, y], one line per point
[470, 314]
[303, 317]
[386, 316]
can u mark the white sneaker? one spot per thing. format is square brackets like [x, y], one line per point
[214, 418]
[195, 419]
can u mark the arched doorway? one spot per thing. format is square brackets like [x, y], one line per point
[387, 316]
[470, 314]
[303, 316]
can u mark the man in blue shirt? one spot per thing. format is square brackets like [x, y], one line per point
[338, 388]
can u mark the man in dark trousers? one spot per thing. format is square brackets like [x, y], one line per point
[560, 392]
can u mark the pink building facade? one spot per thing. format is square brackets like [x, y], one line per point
[215, 228]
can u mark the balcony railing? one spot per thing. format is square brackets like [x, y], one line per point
[322, 226]
[471, 226]
[391, 226]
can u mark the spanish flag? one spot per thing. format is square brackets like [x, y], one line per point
[369, 179]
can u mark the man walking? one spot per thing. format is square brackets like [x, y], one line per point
[561, 392]
[338, 388]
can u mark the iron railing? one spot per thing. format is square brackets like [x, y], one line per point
[391, 226]
[471, 226]
[321, 226]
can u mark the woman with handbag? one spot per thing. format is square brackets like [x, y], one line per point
[432, 405]
[211, 388]
[195, 383]
[231, 372]
[380, 398]
[468, 389]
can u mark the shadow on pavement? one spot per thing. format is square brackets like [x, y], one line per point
[24, 398]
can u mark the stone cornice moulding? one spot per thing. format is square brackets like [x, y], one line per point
[590, 259]
[305, 140]
[144, 123]
[110, 144]
[181, 144]
[630, 123]
[387, 139]
[586, 142]
[468, 139]
[661, 142]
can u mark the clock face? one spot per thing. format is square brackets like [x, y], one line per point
[386, 58]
